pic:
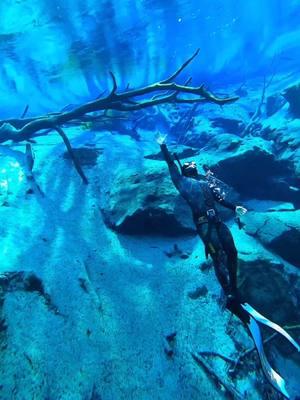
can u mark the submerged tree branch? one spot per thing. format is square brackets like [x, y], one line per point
[72, 155]
[19, 130]
[165, 91]
[220, 382]
[185, 64]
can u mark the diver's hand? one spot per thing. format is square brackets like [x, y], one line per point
[208, 173]
[239, 210]
[161, 139]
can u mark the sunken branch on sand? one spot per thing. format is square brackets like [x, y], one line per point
[166, 91]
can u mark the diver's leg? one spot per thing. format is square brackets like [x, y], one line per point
[213, 246]
[231, 252]
[219, 262]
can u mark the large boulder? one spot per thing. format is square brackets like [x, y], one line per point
[274, 103]
[229, 125]
[287, 144]
[267, 286]
[267, 282]
[292, 95]
[250, 166]
[145, 201]
[279, 231]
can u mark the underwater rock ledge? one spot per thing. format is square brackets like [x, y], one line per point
[279, 231]
[147, 203]
[292, 95]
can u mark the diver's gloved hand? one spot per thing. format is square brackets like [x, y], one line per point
[160, 138]
[239, 210]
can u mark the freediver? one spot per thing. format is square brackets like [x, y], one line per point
[202, 197]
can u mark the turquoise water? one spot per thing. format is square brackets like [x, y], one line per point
[66, 49]
[105, 288]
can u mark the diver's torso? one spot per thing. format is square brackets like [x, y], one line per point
[197, 194]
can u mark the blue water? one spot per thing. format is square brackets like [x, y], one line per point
[57, 52]
[105, 289]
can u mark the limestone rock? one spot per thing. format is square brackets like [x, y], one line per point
[279, 231]
[292, 95]
[177, 252]
[181, 151]
[85, 155]
[251, 168]
[145, 202]
[229, 125]
[198, 292]
[271, 290]
[274, 103]
[225, 142]
[287, 145]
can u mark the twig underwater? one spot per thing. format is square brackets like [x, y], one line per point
[254, 120]
[234, 363]
[230, 390]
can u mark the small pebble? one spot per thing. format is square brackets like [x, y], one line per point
[198, 292]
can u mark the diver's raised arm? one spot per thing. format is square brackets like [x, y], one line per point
[173, 169]
[167, 156]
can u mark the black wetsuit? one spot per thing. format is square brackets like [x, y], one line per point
[201, 197]
[214, 233]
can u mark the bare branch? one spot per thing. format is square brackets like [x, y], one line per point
[101, 94]
[114, 89]
[167, 93]
[198, 91]
[184, 65]
[214, 354]
[25, 111]
[229, 389]
[72, 155]
[22, 129]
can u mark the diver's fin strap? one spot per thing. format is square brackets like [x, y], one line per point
[273, 377]
[263, 320]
